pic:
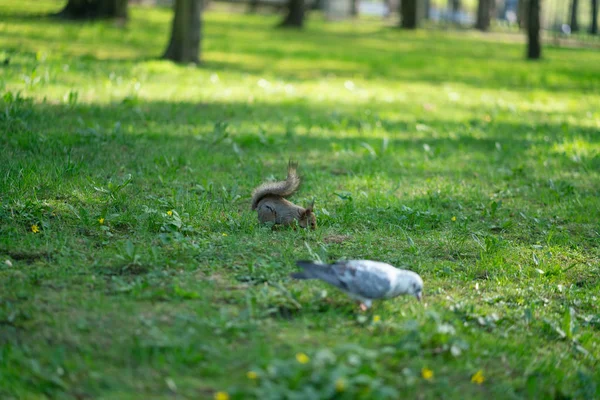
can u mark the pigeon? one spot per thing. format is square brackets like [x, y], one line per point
[364, 280]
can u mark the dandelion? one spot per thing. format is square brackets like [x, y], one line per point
[251, 375]
[453, 219]
[35, 228]
[221, 396]
[340, 385]
[170, 214]
[478, 377]
[302, 358]
[427, 374]
[101, 221]
[376, 318]
[224, 234]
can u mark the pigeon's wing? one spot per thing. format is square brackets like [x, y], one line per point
[365, 280]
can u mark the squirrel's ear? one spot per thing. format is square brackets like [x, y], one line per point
[311, 206]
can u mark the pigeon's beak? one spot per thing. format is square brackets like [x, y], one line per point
[419, 296]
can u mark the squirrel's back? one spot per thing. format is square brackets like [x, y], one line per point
[281, 188]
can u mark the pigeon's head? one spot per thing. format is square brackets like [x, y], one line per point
[415, 286]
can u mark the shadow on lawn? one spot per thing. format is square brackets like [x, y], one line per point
[230, 139]
[300, 126]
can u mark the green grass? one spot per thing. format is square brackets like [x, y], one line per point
[443, 152]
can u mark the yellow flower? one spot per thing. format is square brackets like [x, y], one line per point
[478, 377]
[453, 219]
[340, 385]
[101, 220]
[251, 375]
[427, 374]
[35, 228]
[376, 318]
[170, 213]
[224, 234]
[302, 358]
[221, 396]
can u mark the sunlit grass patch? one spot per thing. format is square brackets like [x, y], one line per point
[131, 264]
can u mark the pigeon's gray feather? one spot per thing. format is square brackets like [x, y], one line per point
[367, 283]
[324, 272]
[355, 279]
[363, 279]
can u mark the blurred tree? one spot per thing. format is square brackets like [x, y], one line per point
[408, 14]
[522, 14]
[594, 26]
[295, 14]
[93, 9]
[354, 7]
[318, 5]
[455, 7]
[388, 8]
[253, 6]
[500, 9]
[484, 15]
[426, 8]
[534, 47]
[184, 45]
[574, 8]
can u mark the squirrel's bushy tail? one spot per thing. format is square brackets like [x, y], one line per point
[281, 188]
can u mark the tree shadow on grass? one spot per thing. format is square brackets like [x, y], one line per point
[346, 125]
[221, 137]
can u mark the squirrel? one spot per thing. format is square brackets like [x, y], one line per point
[269, 200]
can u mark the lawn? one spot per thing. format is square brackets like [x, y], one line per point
[132, 267]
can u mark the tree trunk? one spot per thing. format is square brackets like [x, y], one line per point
[574, 8]
[522, 14]
[253, 6]
[484, 13]
[318, 5]
[184, 45]
[295, 16]
[354, 7]
[408, 14]
[94, 9]
[499, 9]
[534, 48]
[594, 27]
[426, 8]
[388, 8]
[455, 7]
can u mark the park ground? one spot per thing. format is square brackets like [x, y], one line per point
[131, 266]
